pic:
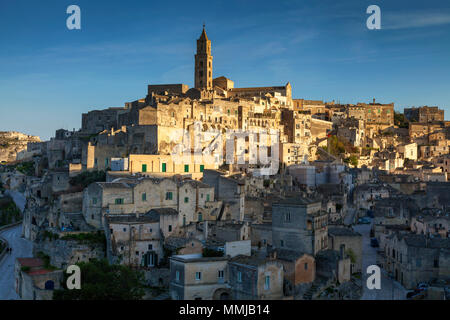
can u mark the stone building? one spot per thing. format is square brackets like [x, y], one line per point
[203, 63]
[352, 242]
[299, 269]
[33, 281]
[194, 277]
[255, 278]
[64, 252]
[135, 240]
[189, 198]
[261, 234]
[299, 224]
[227, 231]
[365, 195]
[333, 265]
[378, 115]
[409, 151]
[413, 258]
[230, 190]
[424, 114]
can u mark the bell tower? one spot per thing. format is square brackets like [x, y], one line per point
[203, 62]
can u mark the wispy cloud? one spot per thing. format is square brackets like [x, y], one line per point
[414, 20]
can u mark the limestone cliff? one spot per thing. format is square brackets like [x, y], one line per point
[11, 143]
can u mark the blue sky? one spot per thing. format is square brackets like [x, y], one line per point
[49, 75]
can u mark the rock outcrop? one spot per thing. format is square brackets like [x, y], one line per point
[12, 143]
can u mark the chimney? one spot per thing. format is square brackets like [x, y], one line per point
[373, 100]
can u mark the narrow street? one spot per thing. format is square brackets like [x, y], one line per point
[21, 248]
[18, 198]
[390, 289]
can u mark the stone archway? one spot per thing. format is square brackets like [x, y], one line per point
[222, 294]
[49, 285]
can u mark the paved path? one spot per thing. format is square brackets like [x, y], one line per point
[390, 289]
[349, 218]
[21, 248]
[18, 198]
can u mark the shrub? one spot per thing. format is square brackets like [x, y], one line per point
[211, 253]
[25, 268]
[102, 281]
[86, 178]
[93, 238]
[26, 168]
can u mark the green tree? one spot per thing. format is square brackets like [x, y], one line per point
[102, 281]
[400, 120]
[86, 178]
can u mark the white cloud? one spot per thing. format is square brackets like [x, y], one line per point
[414, 20]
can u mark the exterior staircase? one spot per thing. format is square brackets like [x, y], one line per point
[310, 292]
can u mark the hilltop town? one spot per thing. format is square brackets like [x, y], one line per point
[219, 192]
[13, 145]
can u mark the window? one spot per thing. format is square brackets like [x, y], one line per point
[436, 263]
[186, 199]
[306, 266]
[137, 253]
[164, 167]
[144, 197]
[287, 217]
[94, 200]
[170, 228]
[169, 195]
[282, 243]
[200, 216]
[198, 276]
[186, 168]
[144, 168]
[150, 247]
[207, 197]
[239, 276]
[184, 220]
[119, 201]
[267, 283]
[202, 167]
[221, 273]
[177, 275]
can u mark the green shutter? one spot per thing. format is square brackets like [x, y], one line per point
[202, 167]
[186, 168]
[144, 168]
[144, 197]
[164, 169]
